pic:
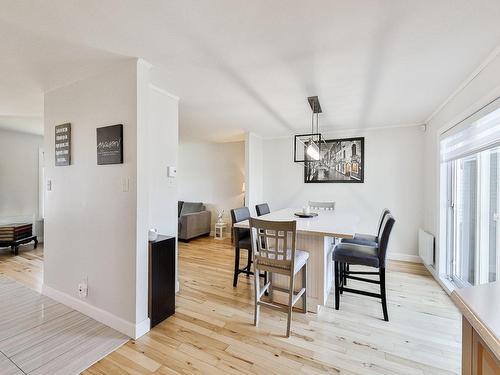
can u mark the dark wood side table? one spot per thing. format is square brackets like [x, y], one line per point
[14, 244]
[161, 279]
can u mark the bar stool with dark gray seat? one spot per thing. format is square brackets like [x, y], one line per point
[368, 239]
[241, 238]
[365, 255]
[262, 209]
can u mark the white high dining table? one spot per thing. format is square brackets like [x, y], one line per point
[316, 236]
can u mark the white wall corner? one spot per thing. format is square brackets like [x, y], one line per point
[254, 170]
[142, 328]
[143, 186]
[163, 91]
[144, 63]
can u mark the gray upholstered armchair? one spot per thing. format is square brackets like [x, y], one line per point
[194, 220]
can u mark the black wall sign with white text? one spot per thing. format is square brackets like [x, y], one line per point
[110, 145]
[63, 144]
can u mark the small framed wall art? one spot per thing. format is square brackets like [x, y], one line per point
[63, 144]
[110, 145]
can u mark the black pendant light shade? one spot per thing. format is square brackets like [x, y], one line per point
[307, 147]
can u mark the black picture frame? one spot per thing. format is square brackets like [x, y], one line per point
[342, 161]
[110, 145]
[62, 145]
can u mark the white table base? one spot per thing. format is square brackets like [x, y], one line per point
[319, 271]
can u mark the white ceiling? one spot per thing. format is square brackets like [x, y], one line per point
[241, 65]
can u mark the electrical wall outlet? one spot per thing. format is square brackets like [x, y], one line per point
[171, 171]
[83, 289]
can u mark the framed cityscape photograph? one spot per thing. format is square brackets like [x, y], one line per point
[341, 160]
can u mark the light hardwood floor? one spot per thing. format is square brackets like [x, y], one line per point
[26, 268]
[212, 331]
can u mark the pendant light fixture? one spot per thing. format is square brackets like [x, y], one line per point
[307, 147]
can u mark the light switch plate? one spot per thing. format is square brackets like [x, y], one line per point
[125, 184]
[49, 185]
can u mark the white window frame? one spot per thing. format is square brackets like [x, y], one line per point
[440, 268]
[448, 176]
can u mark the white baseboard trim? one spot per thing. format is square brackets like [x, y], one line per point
[142, 328]
[128, 328]
[404, 257]
[447, 285]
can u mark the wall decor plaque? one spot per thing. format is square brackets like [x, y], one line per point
[110, 145]
[63, 144]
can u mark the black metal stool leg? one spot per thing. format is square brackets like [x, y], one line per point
[344, 270]
[236, 265]
[383, 294]
[341, 277]
[337, 278]
[249, 263]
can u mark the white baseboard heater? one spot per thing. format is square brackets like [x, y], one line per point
[426, 247]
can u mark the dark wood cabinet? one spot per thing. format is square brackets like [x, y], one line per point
[161, 279]
[13, 235]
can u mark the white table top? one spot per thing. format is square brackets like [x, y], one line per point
[328, 223]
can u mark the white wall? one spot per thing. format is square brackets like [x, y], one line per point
[94, 227]
[19, 174]
[163, 148]
[254, 173]
[90, 224]
[483, 87]
[212, 173]
[393, 179]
